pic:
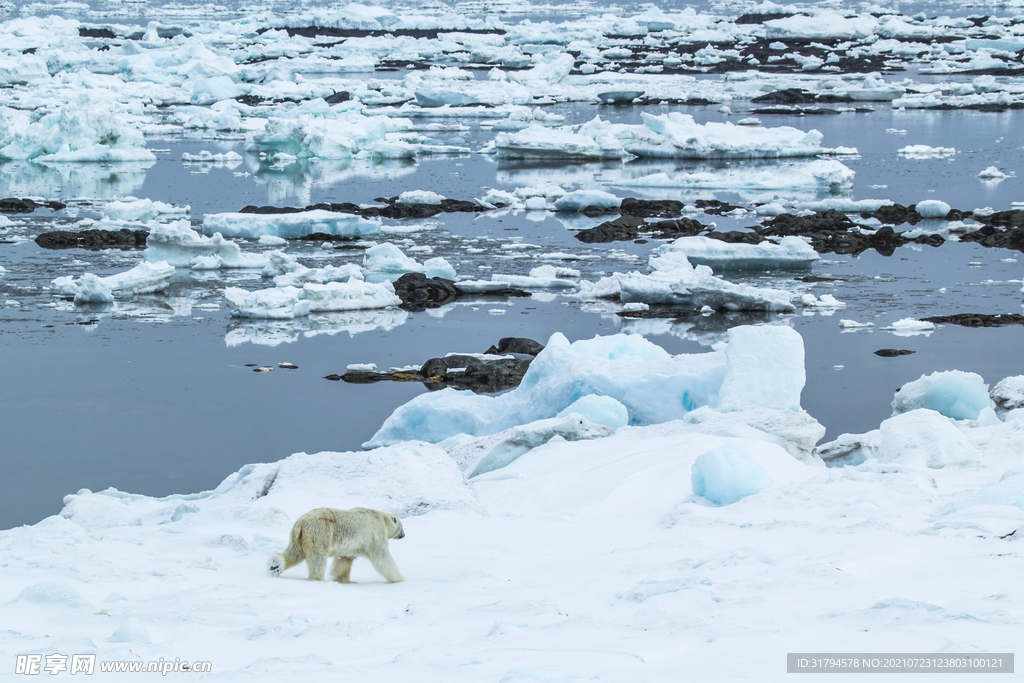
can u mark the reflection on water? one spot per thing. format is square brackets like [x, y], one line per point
[277, 332]
[61, 181]
[294, 183]
[706, 330]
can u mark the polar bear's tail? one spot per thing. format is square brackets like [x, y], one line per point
[291, 556]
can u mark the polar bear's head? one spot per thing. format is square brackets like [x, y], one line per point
[394, 526]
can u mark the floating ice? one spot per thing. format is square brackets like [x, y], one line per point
[179, 245]
[991, 173]
[956, 394]
[207, 156]
[728, 473]
[348, 296]
[933, 208]
[140, 210]
[89, 128]
[820, 175]
[278, 303]
[854, 325]
[908, 327]
[593, 140]
[144, 278]
[924, 151]
[677, 135]
[790, 252]
[288, 225]
[272, 241]
[340, 134]
[602, 410]
[674, 281]
[387, 261]
[541, 277]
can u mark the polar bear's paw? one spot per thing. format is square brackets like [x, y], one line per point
[276, 564]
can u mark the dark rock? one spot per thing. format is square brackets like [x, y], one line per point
[715, 207]
[787, 96]
[252, 101]
[622, 228]
[656, 312]
[460, 206]
[680, 227]
[1004, 219]
[796, 111]
[324, 237]
[736, 237]
[418, 292]
[93, 239]
[655, 208]
[989, 236]
[978, 319]
[515, 345]
[788, 224]
[593, 211]
[15, 205]
[896, 214]
[892, 353]
[754, 18]
[266, 210]
[337, 98]
[95, 33]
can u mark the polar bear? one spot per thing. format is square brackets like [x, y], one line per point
[343, 535]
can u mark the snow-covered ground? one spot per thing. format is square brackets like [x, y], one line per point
[586, 557]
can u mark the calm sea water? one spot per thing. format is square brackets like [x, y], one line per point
[153, 395]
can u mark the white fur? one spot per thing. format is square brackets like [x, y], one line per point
[343, 535]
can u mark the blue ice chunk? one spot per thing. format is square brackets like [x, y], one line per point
[725, 474]
[602, 410]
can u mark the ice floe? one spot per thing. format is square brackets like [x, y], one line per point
[289, 225]
[181, 246]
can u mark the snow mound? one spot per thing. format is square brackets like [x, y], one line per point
[288, 225]
[407, 479]
[601, 410]
[479, 455]
[728, 473]
[954, 393]
[925, 438]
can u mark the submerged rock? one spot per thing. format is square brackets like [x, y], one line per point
[978, 319]
[15, 205]
[892, 353]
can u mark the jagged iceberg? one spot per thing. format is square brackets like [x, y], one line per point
[181, 246]
[288, 225]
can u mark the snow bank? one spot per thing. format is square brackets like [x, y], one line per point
[764, 367]
[956, 394]
[288, 225]
[790, 252]
[181, 246]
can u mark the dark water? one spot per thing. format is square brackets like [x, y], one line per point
[152, 396]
